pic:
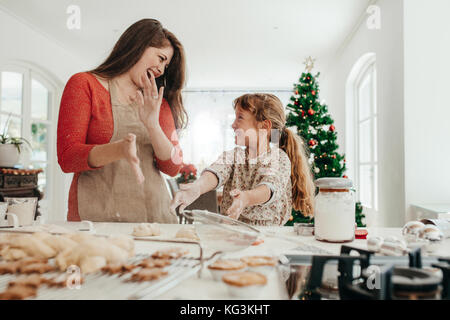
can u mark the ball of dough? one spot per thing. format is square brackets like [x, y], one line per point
[92, 264]
[187, 233]
[147, 230]
[8, 254]
[123, 241]
[33, 247]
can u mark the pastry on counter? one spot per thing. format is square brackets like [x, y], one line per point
[9, 267]
[187, 232]
[82, 255]
[56, 242]
[222, 266]
[118, 268]
[148, 274]
[255, 261]
[18, 292]
[147, 230]
[261, 264]
[33, 281]
[123, 241]
[154, 263]
[28, 244]
[38, 267]
[170, 253]
[244, 284]
[91, 264]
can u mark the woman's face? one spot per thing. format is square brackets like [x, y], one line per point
[245, 127]
[155, 60]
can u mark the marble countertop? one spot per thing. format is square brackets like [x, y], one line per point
[283, 241]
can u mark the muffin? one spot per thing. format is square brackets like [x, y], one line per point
[245, 285]
[221, 267]
[261, 264]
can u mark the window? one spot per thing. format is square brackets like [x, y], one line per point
[28, 100]
[362, 130]
[209, 131]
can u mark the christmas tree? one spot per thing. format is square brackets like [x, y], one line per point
[314, 124]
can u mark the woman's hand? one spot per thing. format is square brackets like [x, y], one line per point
[149, 101]
[129, 152]
[189, 193]
[238, 205]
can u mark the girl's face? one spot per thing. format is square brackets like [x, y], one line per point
[245, 127]
[154, 60]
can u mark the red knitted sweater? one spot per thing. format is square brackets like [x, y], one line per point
[86, 120]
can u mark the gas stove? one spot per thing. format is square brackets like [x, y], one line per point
[363, 275]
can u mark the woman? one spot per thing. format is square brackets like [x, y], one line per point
[117, 131]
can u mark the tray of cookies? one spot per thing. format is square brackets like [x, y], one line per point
[85, 266]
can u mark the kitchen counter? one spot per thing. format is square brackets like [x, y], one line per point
[203, 287]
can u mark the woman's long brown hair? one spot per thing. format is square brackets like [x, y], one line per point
[129, 49]
[268, 107]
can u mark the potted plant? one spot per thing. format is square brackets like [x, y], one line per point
[188, 173]
[10, 147]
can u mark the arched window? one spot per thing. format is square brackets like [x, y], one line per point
[361, 130]
[28, 98]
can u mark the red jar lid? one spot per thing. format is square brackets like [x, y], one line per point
[361, 234]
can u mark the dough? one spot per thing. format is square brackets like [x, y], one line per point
[100, 248]
[92, 264]
[57, 243]
[8, 253]
[81, 237]
[32, 246]
[123, 241]
[187, 233]
[147, 230]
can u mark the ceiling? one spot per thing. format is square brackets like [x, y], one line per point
[228, 43]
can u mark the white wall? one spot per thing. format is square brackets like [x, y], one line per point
[387, 44]
[427, 107]
[22, 44]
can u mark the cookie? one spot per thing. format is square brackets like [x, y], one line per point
[170, 253]
[115, 268]
[18, 292]
[242, 279]
[154, 263]
[33, 281]
[37, 267]
[9, 267]
[148, 275]
[255, 261]
[61, 281]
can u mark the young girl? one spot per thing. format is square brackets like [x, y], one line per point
[261, 183]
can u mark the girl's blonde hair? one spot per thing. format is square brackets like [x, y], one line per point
[268, 107]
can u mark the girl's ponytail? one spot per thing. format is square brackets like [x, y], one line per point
[301, 176]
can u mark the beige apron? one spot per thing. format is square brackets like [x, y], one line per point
[112, 193]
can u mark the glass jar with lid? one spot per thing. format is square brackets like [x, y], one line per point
[334, 210]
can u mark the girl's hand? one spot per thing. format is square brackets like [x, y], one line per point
[238, 205]
[189, 193]
[129, 152]
[149, 101]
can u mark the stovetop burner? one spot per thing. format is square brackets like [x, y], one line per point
[360, 278]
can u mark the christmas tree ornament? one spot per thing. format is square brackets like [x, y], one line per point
[309, 64]
[310, 112]
[313, 93]
[316, 170]
[332, 128]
